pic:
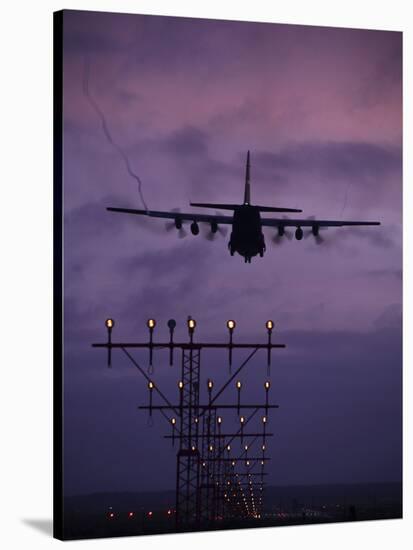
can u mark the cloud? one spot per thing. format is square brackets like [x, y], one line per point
[186, 141]
[357, 161]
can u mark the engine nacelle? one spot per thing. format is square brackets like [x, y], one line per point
[298, 233]
[281, 230]
[214, 227]
[315, 230]
[194, 228]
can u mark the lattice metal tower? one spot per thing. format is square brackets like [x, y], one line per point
[212, 483]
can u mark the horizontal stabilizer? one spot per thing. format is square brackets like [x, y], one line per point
[216, 206]
[276, 209]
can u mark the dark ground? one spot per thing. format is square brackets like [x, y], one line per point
[90, 516]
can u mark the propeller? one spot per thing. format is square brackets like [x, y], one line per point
[314, 232]
[282, 232]
[176, 224]
[212, 232]
[215, 229]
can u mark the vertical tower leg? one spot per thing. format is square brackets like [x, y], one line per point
[188, 457]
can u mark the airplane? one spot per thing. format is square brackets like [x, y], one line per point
[247, 238]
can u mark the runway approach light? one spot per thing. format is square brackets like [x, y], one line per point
[238, 385]
[270, 325]
[109, 323]
[231, 324]
[151, 386]
[151, 323]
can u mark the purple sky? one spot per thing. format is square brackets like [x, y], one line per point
[320, 109]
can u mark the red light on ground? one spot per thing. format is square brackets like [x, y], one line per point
[169, 512]
[111, 515]
[150, 514]
[131, 514]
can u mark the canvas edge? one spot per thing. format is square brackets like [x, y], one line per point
[58, 524]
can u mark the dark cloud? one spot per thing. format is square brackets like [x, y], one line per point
[386, 273]
[390, 317]
[186, 141]
[360, 162]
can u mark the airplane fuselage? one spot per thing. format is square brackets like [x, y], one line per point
[247, 237]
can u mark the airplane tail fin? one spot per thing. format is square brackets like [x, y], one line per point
[247, 192]
[247, 198]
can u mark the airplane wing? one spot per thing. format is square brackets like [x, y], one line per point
[192, 217]
[286, 222]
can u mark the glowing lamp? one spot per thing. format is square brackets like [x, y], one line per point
[191, 324]
[109, 323]
[151, 385]
[269, 325]
[151, 323]
[231, 324]
[267, 385]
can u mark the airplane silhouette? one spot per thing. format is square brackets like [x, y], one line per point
[247, 237]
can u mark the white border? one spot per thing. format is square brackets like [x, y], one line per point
[26, 262]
